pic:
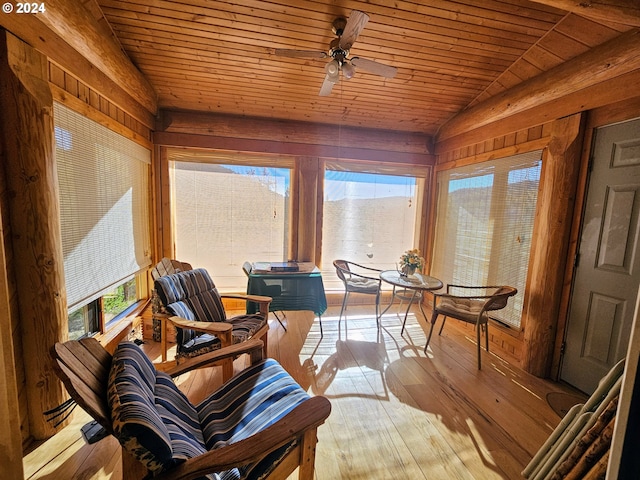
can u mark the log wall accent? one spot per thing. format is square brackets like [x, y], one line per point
[31, 178]
[551, 233]
[262, 135]
[614, 58]
[616, 11]
[309, 208]
[11, 372]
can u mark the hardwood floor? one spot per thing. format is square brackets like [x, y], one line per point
[397, 413]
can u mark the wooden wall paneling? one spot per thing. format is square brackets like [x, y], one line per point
[27, 118]
[83, 99]
[552, 228]
[86, 110]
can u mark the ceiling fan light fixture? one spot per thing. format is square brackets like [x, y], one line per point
[348, 70]
[333, 70]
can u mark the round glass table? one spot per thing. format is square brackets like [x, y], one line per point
[409, 287]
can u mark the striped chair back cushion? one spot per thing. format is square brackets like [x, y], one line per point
[152, 418]
[191, 295]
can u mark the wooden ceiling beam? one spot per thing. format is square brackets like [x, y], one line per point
[618, 11]
[614, 58]
[71, 22]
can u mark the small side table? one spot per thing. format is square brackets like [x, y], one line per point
[417, 283]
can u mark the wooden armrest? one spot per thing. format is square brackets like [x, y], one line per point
[251, 298]
[253, 347]
[308, 415]
[207, 327]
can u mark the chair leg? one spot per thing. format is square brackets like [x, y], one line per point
[307, 455]
[486, 336]
[275, 314]
[478, 333]
[344, 303]
[433, 323]
[442, 326]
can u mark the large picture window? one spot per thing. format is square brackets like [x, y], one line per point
[484, 225]
[104, 211]
[228, 210]
[369, 218]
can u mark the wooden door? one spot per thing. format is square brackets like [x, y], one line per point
[608, 272]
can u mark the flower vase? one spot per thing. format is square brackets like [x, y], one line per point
[408, 270]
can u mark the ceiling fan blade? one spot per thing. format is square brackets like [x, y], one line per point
[285, 52]
[326, 87]
[374, 67]
[355, 24]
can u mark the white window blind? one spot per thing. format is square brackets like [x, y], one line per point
[228, 209]
[369, 217]
[484, 225]
[104, 206]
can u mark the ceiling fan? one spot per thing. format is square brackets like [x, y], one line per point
[347, 32]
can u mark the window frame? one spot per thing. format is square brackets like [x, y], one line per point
[240, 159]
[422, 174]
[520, 162]
[94, 302]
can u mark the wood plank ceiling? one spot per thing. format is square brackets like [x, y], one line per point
[218, 56]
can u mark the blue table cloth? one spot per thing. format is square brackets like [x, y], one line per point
[289, 291]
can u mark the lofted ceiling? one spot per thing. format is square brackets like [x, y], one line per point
[219, 56]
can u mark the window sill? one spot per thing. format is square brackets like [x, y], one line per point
[121, 328]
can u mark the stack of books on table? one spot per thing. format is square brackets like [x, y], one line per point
[282, 267]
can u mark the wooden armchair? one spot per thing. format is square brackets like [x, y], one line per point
[189, 301]
[164, 435]
[470, 304]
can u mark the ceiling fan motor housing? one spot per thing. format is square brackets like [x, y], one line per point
[339, 25]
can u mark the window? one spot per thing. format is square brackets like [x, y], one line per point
[369, 217]
[228, 209]
[104, 211]
[484, 225]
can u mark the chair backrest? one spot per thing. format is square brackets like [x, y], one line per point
[191, 295]
[152, 419]
[167, 266]
[246, 268]
[341, 266]
[500, 298]
[83, 366]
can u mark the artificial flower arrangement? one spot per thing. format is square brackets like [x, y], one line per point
[410, 261]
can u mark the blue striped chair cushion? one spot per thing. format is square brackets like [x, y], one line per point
[193, 295]
[207, 306]
[169, 289]
[251, 401]
[155, 422]
[244, 326]
[196, 289]
[136, 422]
